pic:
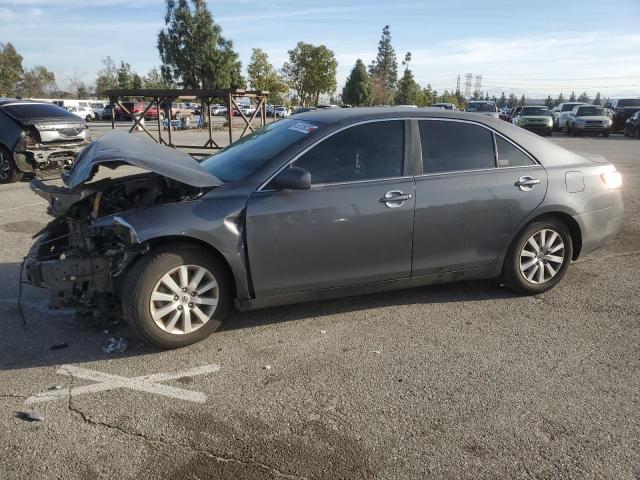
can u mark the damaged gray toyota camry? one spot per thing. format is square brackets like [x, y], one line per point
[323, 204]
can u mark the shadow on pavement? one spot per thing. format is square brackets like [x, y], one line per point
[54, 337]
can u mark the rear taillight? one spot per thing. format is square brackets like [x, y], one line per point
[612, 180]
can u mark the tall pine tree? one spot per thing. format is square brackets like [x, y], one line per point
[357, 90]
[384, 70]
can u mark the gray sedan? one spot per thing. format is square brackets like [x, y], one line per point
[323, 204]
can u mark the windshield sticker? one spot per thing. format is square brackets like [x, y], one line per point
[303, 127]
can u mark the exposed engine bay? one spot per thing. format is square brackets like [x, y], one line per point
[81, 262]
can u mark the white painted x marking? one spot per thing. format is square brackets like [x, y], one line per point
[108, 381]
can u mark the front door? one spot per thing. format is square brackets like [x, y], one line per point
[347, 229]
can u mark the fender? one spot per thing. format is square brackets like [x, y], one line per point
[220, 225]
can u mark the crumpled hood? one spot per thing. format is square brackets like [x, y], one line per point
[116, 149]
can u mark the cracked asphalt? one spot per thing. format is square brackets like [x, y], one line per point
[461, 381]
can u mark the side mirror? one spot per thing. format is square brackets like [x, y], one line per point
[293, 178]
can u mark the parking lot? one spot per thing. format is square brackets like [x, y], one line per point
[465, 380]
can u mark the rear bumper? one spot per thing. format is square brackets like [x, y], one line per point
[600, 226]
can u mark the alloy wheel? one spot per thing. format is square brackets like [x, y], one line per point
[542, 256]
[184, 299]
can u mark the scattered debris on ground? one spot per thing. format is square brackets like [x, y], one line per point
[31, 416]
[115, 345]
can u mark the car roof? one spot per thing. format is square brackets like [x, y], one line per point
[19, 101]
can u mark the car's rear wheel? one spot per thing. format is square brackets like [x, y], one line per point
[637, 133]
[176, 295]
[539, 257]
[9, 172]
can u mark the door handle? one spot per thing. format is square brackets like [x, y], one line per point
[526, 183]
[395, 198]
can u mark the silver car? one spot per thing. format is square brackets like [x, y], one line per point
[324, 204]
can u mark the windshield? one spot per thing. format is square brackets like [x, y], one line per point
[30, 111]
[590, 112]
[630, 102]
[535, 111]
[247, 155]
[481, 107]
[567, 107]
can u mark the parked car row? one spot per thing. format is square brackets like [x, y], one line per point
[578, 118]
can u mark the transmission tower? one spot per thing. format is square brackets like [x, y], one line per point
[478, 86]
[458, 84]
[468, 78]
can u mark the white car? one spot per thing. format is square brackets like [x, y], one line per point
[247, 109]
[484, 107]
[98, 109]
[85, 113]
[281, 111]
[445, 106]
[561, 114]
[218, 110]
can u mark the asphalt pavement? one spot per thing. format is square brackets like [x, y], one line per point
[464, 381]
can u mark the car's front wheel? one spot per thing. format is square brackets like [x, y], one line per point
[539, 257]
[9, 172]
[176, 295]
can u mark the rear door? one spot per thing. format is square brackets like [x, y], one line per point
[355, 224]
[476, 188]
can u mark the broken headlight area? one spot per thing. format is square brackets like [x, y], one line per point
[83, 261]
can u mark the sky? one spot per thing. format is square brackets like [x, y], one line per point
[518, 46]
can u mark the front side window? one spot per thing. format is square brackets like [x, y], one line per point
[363, 152]
[511, 156]
[455, 146]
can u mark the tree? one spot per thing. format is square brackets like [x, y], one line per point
[428, 97]
[409, 92]
[36, 82]
[384, 70]
[583, 97]
[262, 76]
[549, 102]
[153, 79]
[79, 88]
[560, 99]
[107, 78]
[596, 100]
[512, 101]
[502, 102]
[310, 71]
[572, 98]
[523, 101]
[10, 69]
[193, 51]
[357, 90]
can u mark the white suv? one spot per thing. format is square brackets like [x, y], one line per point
[561, 113]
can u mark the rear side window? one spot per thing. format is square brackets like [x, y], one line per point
[363, 152]
[455, 146]
[511, 156]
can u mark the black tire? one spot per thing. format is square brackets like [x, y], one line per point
[9, 171]
[573, 132]
[626, 133]
[567, 130]
[88, 118]
[637, 133]
[512, 275]
[605, 134]
[550, 133]
[144, 276]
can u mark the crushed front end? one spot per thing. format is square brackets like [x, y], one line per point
[82, 255]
